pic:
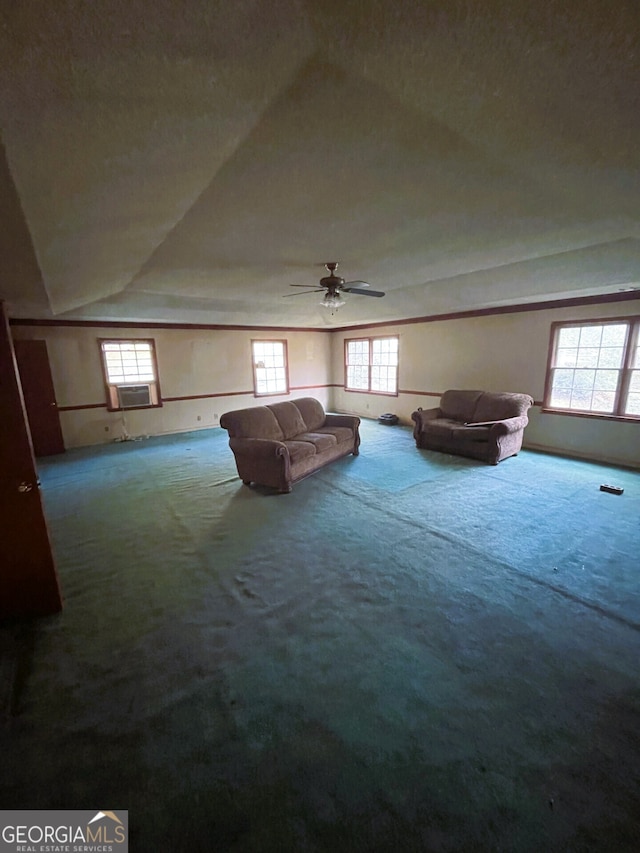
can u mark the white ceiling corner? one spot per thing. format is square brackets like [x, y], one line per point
[187, 162]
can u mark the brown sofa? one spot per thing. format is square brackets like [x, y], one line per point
[278, 445]
[480, 424]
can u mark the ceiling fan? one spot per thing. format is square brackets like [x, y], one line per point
[334, 286]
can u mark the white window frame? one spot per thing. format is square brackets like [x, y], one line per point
[129, 361]
[369, 372]
[588, 360]
[270, 362]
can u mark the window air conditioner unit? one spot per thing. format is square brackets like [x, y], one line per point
[131, 396]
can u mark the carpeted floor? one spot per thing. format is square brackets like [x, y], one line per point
[411, 652]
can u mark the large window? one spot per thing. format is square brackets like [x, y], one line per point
[131, 373]
[594, 368]
[270, 367]
[371, 364]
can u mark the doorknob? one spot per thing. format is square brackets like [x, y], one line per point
[25, 487]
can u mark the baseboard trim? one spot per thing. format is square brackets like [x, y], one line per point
[585, 457]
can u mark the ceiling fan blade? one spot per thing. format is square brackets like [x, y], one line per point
[300, 285]
[362, 291]
[355, 284]
[302, 293]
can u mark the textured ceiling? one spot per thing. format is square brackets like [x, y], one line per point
[186, 162]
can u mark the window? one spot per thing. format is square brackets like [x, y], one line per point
[130, 373]
[372, 365]
[270, 368]
[594, 368]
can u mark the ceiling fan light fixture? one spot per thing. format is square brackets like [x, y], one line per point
[332, 301]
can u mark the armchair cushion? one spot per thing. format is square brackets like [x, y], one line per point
[459, 405]
[499, 407]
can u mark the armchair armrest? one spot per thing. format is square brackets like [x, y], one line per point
[508, 426]
[421, 416]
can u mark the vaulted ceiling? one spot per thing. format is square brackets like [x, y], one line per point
[188, 161]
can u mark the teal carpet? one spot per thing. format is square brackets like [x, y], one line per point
[411, 652]
[390, 454]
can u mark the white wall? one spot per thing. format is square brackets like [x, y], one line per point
[190, 362]
[501, 352]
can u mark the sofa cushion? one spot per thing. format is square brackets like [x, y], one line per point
[499, 406]
[256, 421]
[321, 441]
[340, 433]
[459, 405]
[312, 412]
[300, 450]
[289, 417]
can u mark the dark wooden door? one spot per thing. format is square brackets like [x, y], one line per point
[39, 397]
[28, 578]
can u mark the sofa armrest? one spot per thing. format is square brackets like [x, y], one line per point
[508, 426]
[261, 448]
[350, 421]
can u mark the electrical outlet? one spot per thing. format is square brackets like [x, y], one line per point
[198, 418]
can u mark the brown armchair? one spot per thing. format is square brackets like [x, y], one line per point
[480, 424]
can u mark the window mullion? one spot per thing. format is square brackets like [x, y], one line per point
[626, 371]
